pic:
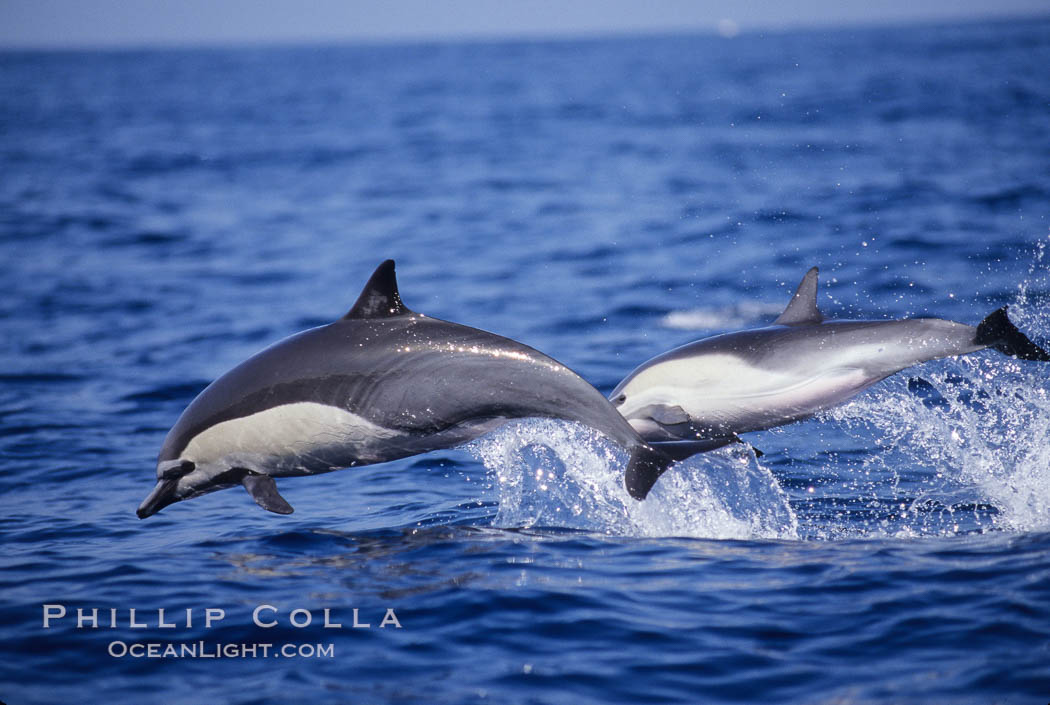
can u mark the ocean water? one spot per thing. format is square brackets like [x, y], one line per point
[165, 214]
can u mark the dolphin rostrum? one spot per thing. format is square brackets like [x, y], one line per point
[381, 383]
[756, 379]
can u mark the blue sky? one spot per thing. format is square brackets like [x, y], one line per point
[86, 23]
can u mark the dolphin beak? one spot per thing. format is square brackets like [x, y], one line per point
[161, 496]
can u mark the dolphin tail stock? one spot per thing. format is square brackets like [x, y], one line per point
[997, 331]
[680, 450]
[644, 468]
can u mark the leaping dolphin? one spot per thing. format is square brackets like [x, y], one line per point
[756, 379]
[381, 383]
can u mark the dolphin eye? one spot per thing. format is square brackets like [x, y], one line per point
[185, 467]
[621, 399]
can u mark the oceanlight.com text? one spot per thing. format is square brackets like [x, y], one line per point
[204, 649]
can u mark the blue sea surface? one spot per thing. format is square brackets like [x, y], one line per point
[166, 214]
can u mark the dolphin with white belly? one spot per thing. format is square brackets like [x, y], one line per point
[756, 379]
[381, 383]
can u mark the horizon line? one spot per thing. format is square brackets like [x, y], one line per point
[714, 30]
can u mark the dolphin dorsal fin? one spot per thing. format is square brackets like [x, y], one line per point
[379, 298]
[803, 305]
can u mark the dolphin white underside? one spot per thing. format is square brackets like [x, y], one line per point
[722, 394]
[713, 414]
[282, 435]
[305, 438]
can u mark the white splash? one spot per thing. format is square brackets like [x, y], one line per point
[744, 313]
[552, 473]
[986, 439]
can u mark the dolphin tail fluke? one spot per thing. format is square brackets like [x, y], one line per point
[680, 450]
[644, 468]
[997, 331]
[263, 490]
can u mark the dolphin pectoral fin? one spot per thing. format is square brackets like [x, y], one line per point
[803, 305]
[263, 490]
[668, 415]
[644, 468]
[997, 331]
